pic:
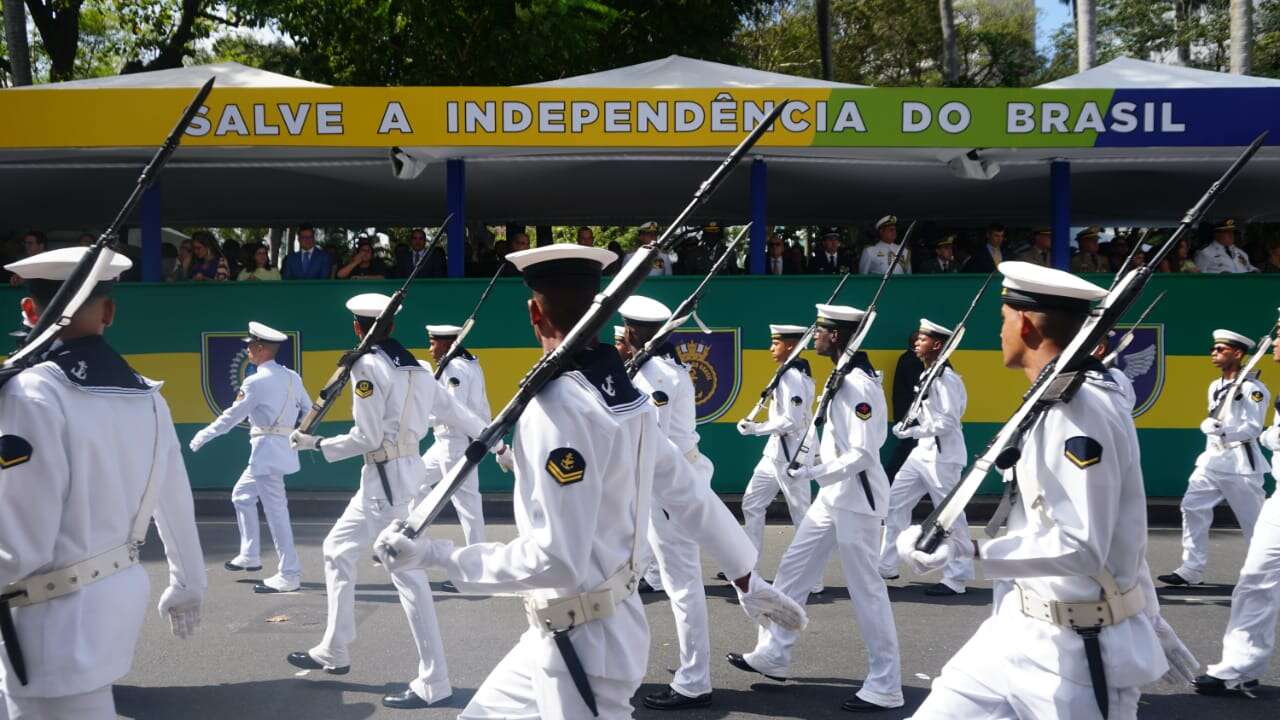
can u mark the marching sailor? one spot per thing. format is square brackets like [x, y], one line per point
[1231, 467]
[1250, 637]
[272, 399]
[88, 456]
[651, 574]
[587, 454]
[935, 464]
[875, 259]
[395, 401]
[845, 516]
[1076, 629]
[790, 412]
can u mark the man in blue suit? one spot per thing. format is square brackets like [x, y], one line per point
[309, 262]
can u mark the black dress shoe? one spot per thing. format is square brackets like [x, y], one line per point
[858, 705]
[736, 660]
[939, 590]
[1174, 578]
[238, 568]
[304, 660]
[1210, 685]
[644, 588]
[669, 699]
[446, 586]
[407, 700]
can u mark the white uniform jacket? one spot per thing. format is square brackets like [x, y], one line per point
[272, 397]
[849, 471]
[1218, 258]
[1236, 451]
[1270, 439]
[1123, 382]
[682, 427]
[464, 381]
[661, 383]
[394, 400]
[876, 258]
[939, 429]
[1081, 509]
[82, 433]
[790, 413]
[581, 448]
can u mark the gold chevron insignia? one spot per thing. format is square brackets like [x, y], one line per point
[364, 389]
[566, 466]
[14, 451]
[1083, 451]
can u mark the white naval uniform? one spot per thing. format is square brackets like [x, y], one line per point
[933, 467]
[272, 399]
[464, 381]
[875, 259]
[1224, 472]
[790, 413]
[1250, 637]
[846, 516]
[98, 433]
[577, 531]
[394, 400]
[1218, 258]
[1123, 382]
[1072, 521]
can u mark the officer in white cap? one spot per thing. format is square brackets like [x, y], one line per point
[790, 414]
[395, 401]
[1222, 255]
[88, 456]
[876, 258]
[935, 464]
[1231, 467]
[464, 380]
[845, 516]
[272, 399]
[663, 264]
[588, 452]
[1076, 629]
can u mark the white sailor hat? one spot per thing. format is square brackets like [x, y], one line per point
[834, 316]
[619, 332]
[886, 220]
[443, 331]
[1233, 338]
[369, 305]
[258, 331]
[787, 332]
[643, 311]
[562, 260]
[45, 271]
[649, 227]
[1028, 286]
[929, 327]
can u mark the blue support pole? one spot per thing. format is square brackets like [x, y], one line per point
[759, 232]
[1060, 191]
[150, 216]
[455, 184]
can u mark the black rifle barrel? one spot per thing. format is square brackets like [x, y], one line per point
[456, 348]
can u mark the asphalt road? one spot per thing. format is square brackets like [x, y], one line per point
[235, 667]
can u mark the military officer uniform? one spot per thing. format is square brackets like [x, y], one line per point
[88, 456]
[1230, 468]
[1218, 258]
[464, 380]
[272, 399]
[845, 516]
[932, 468]
[876, 258]
[395, 401]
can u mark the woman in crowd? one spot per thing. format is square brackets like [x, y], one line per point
[363, 265]
[207, 263]
[262, 269]
[1179, 261]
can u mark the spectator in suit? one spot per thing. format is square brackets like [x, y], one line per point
[990, 254]
[1040, 252]
[943, 259]
[777, 261]
[905, 376]
[364, 264]
[207, 265]
[586, 236]
[34, 242]
[437, 264]
[308, 262]
[830, 259]
[795, 256]
[1087, 259]
[696, 258]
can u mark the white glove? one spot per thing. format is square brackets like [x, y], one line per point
[748, 428]
[299, 440]
[182, 606]
[1209, 426]
[505, 457]
[1270, 438]
[398, 552]
[804, 473]
[1183, 666]
[903, 433]
[197, 442]
[764, 604]
[921, 563]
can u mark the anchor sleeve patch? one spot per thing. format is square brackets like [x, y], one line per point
[14, 451]
[1256, 396]
[566, 465]
[660, 398]
[1083, 451]
[862, 410]
[796, 400]
[364, 389]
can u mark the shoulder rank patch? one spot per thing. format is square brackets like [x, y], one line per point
[659, 398]
[455, 381]
[797, 400]
[862, 410]
[364, 389]
[14, 451]
[1256, 396]
[239, 396]
[1083, 451]
[566, 465]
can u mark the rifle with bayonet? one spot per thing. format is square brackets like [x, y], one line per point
[688, 308]
[378, 332]
[1227, 398]
[456, 349]
[1114, 356]
[1060, 379]
[844, 364]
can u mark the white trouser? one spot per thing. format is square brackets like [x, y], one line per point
[93, 705]
[769, 477]
[914, 479]
[1205, 489]
[467, 502]
[350, 543]
[680, 565]
[519, 688]
[990, 680]
[1251, 632]
[251, 489]
[856, 537]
